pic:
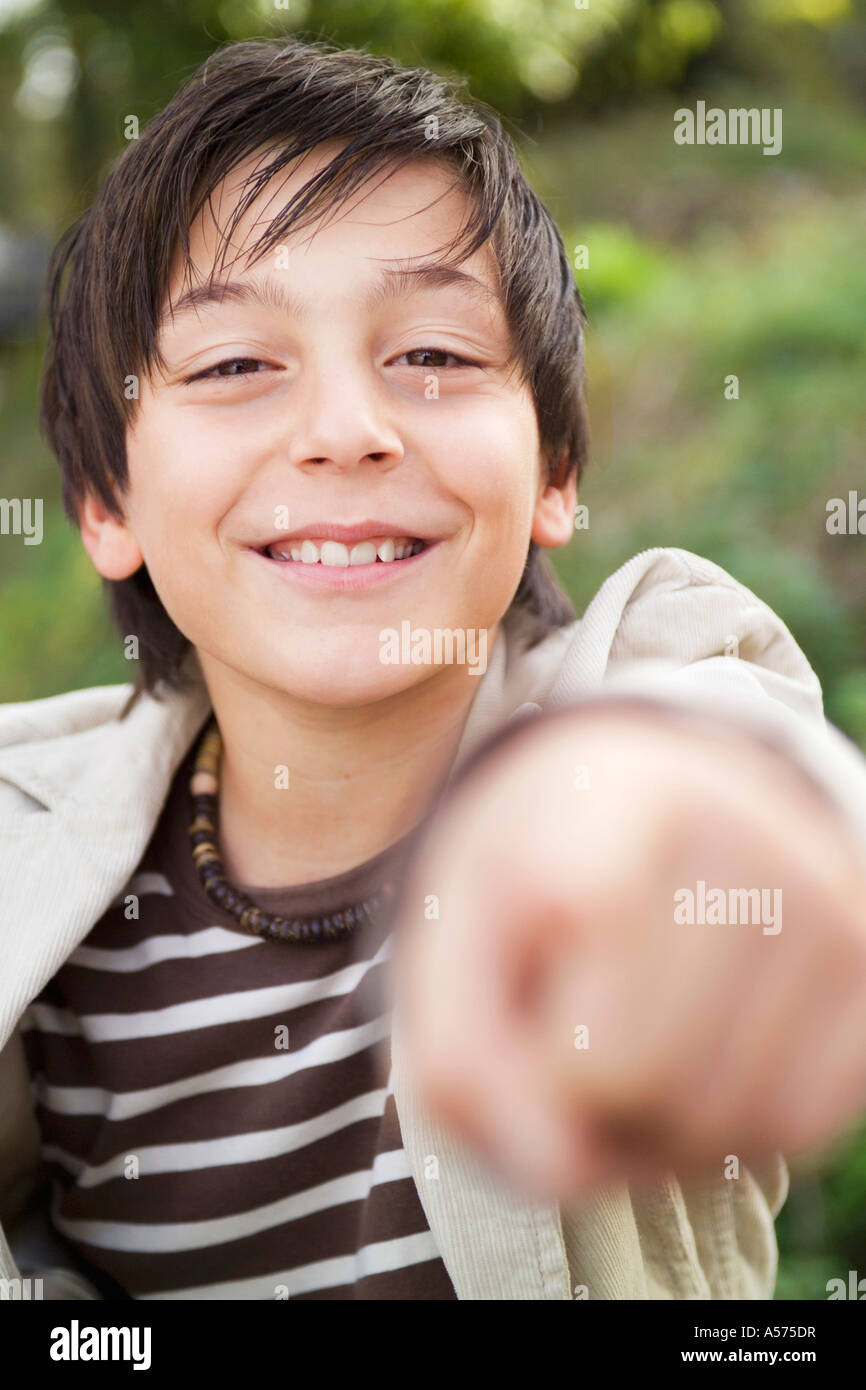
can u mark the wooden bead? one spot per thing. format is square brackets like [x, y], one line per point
[206, 854]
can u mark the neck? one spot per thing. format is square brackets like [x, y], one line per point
[359, 779]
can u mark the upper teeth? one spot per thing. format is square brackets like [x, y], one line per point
[311, 552]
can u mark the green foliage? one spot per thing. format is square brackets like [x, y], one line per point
[774, 301]
[821, 1229]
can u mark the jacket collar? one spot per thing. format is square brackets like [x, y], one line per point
[76, 757]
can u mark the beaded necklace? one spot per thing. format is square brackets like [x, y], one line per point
[203, 835]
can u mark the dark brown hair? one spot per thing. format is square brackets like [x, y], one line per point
[290, 97]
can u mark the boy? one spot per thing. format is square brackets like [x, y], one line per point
[317, 472]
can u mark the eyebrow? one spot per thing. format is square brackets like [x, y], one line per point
[275, 294]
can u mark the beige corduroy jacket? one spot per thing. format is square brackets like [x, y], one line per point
[80, 794]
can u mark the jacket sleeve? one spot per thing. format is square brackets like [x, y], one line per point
[732, 1222]
[670, 1241]
[675, 629]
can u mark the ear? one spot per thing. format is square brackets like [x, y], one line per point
[110, 543]
[553, 521]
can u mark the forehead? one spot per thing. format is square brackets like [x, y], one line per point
[398, 214]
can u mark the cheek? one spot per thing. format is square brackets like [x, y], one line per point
[182, 482]
[492, 469]
[174, 506]
[489, 460]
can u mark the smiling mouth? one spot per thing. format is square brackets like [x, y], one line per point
[384, 550]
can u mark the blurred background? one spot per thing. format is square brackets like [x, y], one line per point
[700, 263]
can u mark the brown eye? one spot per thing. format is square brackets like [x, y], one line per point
[232, 366]
[243, 365]
[435, 352]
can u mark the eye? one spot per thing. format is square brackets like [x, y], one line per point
[436, 352]
[245, 366]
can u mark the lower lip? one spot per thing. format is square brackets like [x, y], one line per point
[344, 578]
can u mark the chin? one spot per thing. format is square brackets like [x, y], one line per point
[340, 684]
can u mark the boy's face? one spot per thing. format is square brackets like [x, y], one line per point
[333, 412]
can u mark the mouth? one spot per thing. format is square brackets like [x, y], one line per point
[324, 563]
[332, 554]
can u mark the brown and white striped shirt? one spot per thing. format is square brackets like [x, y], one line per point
[215, 1108]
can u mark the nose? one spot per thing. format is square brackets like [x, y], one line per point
[341, 418]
